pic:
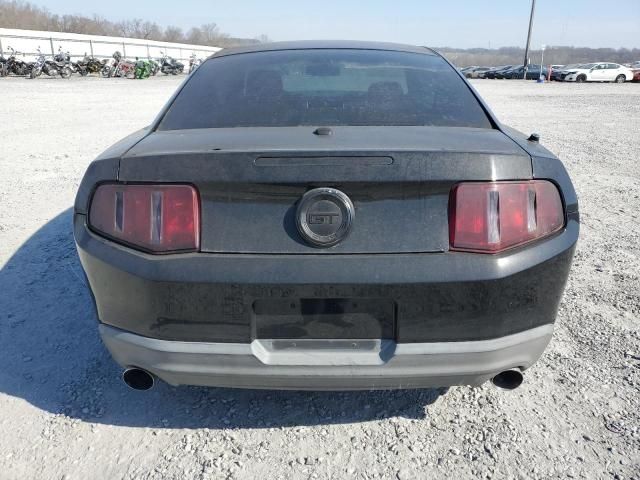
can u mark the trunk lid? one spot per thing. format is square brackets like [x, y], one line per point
[398, 178]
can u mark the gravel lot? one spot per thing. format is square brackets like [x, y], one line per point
[66, 413]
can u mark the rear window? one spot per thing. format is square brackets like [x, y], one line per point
[334, 87]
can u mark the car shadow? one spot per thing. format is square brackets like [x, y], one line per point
[53, 358]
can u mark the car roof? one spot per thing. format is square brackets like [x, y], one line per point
[324, 44]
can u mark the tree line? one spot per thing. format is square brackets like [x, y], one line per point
[24, 15]
[557, 55]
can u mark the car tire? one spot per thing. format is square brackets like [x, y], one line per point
[620, 79]
[581, 79]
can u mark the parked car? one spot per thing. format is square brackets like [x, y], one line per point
[636, 75]
[466, 69]
[599, 72]
[556, 74]
[498, 71]
[533, 72]
[404, 243]
[505, 73]
[477, 72]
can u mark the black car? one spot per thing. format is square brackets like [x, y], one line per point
[533, 73]
[497, 72]
[326, 215]
[510, 73]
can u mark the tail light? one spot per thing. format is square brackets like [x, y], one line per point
[491, 217]
[157, 218]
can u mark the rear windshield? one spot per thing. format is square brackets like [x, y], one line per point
[289, 88]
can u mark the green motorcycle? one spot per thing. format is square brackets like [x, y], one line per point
[143, 69]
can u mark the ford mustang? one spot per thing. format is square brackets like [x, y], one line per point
[326, 215]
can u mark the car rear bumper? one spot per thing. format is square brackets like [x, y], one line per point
[204, 319]
[359, 365]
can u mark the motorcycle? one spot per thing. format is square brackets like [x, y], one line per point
[170, 66]
[109, 65]
[62, 62]
[81, 66]
[3, 66]
[155, 67]
[14, 65]
[194, 63]
[59, 66]
[142, 69]
[88, 65]
[118, 67]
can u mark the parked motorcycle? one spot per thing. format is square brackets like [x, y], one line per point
[142, 69]
[59, 66]
[89, 65]
[109, 65]
[62, 61]
[14, 65]
[170, 66]
[106, 66]
[155, 67]
[118, 67]
[194, 62]
[81, 66]
[3, 66]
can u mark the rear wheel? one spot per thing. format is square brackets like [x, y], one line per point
[620, 79]
[65, 72]
[581, 78]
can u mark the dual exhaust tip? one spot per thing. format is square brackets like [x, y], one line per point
[139, 379]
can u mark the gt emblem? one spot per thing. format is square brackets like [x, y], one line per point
[322, 219]
[324, 216]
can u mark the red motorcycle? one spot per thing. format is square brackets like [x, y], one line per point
[118, 67]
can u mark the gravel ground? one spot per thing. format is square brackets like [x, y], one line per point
[66, 413]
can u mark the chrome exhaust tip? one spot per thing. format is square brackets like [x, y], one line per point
[508, 380]
[137, 378]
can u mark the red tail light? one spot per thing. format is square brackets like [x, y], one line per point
[158, 218]
[491, 217]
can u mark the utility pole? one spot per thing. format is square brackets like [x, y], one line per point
[526, 50]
